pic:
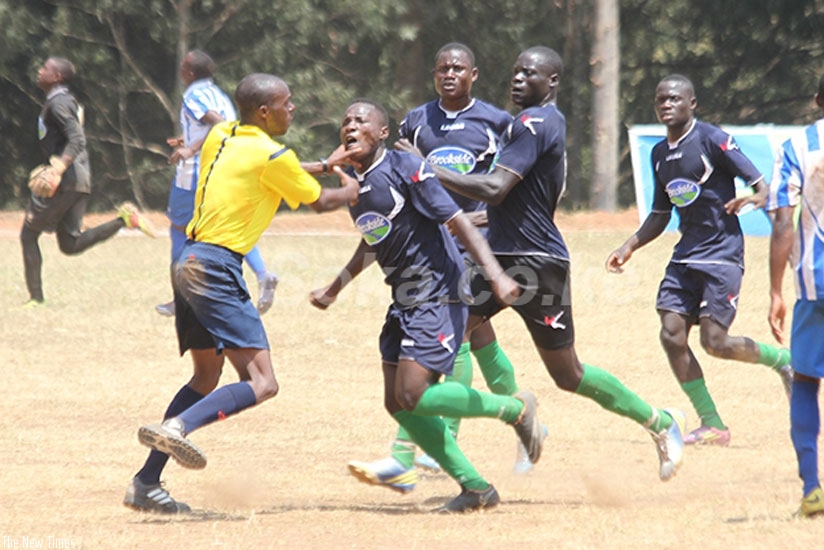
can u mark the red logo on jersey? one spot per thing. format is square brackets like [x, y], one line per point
[729, 145]
[553, 321]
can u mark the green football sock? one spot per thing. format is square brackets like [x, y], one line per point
[431, 434]
[611, 394]
[700, 398]
[773, 357]
[403, 448]
[462, 374]
[497, 369]
[453, 399]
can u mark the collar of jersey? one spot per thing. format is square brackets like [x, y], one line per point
[454, 114]
[375, 164]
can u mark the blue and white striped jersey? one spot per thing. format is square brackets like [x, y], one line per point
[201, 96]
[798, 178]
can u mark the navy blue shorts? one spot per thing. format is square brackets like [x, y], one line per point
[429, 334]
[808, 326]
[701, 290]
[545, 303]
[213, 308]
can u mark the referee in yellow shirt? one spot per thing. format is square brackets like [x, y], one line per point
[244, 176]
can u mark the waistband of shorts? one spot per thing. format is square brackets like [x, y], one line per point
[217, 249]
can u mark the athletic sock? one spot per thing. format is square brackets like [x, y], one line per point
[150, 473]
[805, 424]
[403, 448]
[497, 369]
[773, 357]
[462, 374]
[457, 400]
[606, 390]
[221, 403]
[255, 261]
[431, 434]
[700, 398]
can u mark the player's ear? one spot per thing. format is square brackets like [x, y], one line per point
[384, 133]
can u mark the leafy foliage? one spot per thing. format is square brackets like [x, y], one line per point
[751, 62]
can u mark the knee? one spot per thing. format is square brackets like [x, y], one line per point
[407, 400]
[672, 340]
[267, 390]
[716, 345]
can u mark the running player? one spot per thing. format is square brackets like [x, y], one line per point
[405, 217]
[522, 192]
[695, 167]
[462, 133]
[246, 175]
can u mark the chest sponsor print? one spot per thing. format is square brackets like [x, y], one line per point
[456, 159]
[374, 227]
[683, 192]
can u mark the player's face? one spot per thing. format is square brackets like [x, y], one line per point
[454, 74]
[532, 80]
[48, 75]
[277, 113]
[674, 102]
[362, 128]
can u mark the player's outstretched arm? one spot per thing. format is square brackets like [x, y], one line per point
[331, 199]
[504, 287]
[489, 188]
[322, 298]
[781, 243]
[652, 227]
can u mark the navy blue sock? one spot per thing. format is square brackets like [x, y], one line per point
[805, 423]
[221, 403]
[150, 473]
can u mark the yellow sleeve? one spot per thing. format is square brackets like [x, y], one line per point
[284, 175]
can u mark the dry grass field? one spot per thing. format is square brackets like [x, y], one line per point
[81, 375]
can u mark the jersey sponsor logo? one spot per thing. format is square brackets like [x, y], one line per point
[729, 145]
[529, 121]
[554, 322]
[446, 341]
[674, 156]
[407, 343]
[374, 227]
[683, 192]
[456, 159]
[452, 126]
[422, 174]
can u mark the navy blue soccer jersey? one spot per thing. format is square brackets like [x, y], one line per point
[465, 141]
[696, 175]
[533, 148]
[400, 213]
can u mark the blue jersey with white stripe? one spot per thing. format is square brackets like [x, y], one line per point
[798, 179]
[401, 211]
[200, 97]
[465, 141]
[533, 148]
[697, 175]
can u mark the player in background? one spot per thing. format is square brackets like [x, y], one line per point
[61, 135]
[405, 218]
[695, 167]
[204, 105]
[246, 176]
[522, 192]
[798, 182]
[462, 133]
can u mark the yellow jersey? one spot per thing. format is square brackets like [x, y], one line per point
[244, 175]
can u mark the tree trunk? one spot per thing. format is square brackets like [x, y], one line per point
[605, 79]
